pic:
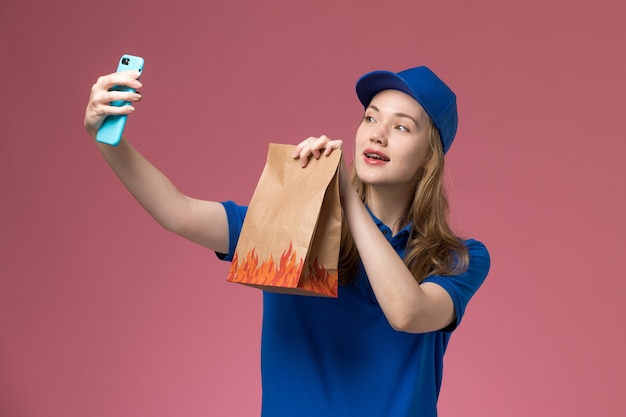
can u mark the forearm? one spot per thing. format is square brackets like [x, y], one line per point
[150, 187]
[407, 305]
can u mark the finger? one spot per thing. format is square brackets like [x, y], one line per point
[129, 96]
[338, 144]
[113, 102]
[316, 152]
[125, 78]
[104, 103]
[304, 155]
[302, 151]
[126, 109]
[318, 145]
[331, 146]
[297, 150]
[97, 114]
[300, 147]
[314, 149]
[312, 146]
[101, 97]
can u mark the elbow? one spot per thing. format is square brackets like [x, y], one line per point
[172, 222]
[403, 316]
[422, 314]
[418, 322]
[407, 323]
[170, 226]
[175, 219]
[410, 326]
[177, 227]
[400, 327]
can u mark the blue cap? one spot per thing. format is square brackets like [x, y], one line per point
[425, 87]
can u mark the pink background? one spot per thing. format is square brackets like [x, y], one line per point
[103, 313]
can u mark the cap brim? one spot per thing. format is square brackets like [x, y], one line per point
[374, 82]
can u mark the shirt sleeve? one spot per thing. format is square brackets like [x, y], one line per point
[463, 286]
[235, 214]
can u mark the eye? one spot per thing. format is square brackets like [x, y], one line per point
[368, 119]
[402, 128]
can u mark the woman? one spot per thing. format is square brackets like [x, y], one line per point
[376, 350]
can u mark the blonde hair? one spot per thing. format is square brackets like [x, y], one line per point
[432, 248]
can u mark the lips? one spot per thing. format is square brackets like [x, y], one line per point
[375, 155]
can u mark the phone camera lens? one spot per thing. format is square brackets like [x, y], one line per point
[125, 61]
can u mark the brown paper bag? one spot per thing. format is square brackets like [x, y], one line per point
[290, 238]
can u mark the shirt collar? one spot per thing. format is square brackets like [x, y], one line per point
[401, 236]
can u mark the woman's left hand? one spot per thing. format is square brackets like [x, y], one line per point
[323, 145]
[316, 147]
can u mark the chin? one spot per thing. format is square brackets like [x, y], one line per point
[369, 175]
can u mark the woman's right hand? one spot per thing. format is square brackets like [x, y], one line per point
[315, 147]
[99, 107]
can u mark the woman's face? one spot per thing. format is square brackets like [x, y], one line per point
[392, 141]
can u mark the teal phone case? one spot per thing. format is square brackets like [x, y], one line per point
[111, 130]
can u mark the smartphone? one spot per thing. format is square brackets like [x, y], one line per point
[111, 130]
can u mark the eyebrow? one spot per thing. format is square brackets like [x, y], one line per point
[403, 115]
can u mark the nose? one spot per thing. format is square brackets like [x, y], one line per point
[379, 136]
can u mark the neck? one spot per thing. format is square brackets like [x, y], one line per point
[389, 206]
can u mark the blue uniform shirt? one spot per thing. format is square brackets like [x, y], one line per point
[339, 357]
